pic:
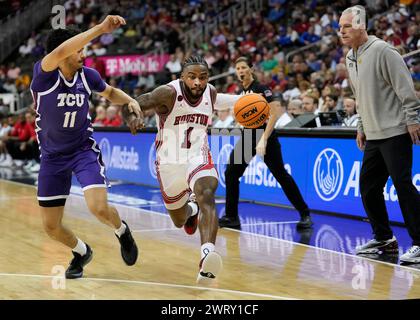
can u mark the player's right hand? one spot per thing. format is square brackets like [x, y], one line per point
[111, 23]
[361, 141]
[135, 123]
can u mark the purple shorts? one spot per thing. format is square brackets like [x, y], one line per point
[55, 174]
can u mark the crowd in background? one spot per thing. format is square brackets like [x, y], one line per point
[313, 80]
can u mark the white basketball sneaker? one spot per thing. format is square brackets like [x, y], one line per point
[412, 255]
[210, 267]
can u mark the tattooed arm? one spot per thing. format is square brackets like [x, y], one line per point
[161, 99]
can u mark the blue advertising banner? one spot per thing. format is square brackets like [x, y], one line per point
[326, 170]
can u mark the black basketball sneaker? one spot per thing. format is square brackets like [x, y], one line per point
[129, 251]
[75, 269]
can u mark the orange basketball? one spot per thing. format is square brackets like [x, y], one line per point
[251, 110]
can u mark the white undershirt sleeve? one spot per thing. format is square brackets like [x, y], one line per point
[224, 101]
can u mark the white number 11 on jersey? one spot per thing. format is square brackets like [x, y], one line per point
[69, 117]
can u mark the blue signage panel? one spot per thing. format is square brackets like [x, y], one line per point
[326, 170]
[127, 157]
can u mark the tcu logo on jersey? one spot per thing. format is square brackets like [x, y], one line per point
[69, 99]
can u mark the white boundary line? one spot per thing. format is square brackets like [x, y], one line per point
[267, 223]
[160, 284]
[154, 230]
[258, 235]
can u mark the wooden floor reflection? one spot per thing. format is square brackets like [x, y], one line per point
[255, 266]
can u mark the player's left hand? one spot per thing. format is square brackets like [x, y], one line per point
[414, 131]
[261, 146]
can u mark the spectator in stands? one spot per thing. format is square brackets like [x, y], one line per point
[231, 86]
[130, 32]
[218, 39]
[150, 118]
[98, 49]
[13, 72]
[309, 37]
[313, 21]
[4, 108]
[295, 108]
[303, 84]
[38, 51]
[301, 24]
[23, 82]
[313, 62]
[248, 45]
[145, 44]
[327, 90]
[292, 89]
[276, 13]
[30, 148]
[112, 119]
[341, 75]
[415, 69]
[198, 16]
[284, 117]
[98, 65]
[18, 134]
[269, 63]
[100, 117]
[351, 118]
[310, 104]
[413, 39]
[4, 132]
[106, 39]
[10, 86]
[293, 35]
[225, 119]
[173, 65]
[27, 47]
[330, 104]
[146, 80]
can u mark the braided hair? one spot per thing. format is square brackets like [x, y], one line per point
[193, 60]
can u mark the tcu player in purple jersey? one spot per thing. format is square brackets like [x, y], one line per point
[61, 88]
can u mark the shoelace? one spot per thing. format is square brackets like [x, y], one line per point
[414, 250]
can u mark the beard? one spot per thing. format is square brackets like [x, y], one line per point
[197, 93]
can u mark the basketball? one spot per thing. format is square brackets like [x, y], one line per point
[251, 110]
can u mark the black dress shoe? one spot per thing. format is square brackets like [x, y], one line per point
[229, 222]
[305, 222]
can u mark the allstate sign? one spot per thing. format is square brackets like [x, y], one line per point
[126, 157]
[119, 156]
[328, 174]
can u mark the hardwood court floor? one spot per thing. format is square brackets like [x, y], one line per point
[255, 266]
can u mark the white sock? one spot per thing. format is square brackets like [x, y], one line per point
[206, 248]
[194, 208]
[80, 247]
[120, 231]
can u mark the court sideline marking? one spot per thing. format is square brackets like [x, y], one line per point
[160, 284]
[250, 233]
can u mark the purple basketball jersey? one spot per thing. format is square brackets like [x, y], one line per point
[63, 124]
